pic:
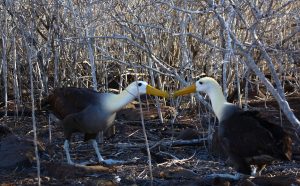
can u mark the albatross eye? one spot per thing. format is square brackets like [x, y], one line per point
[139, 84]
[200, 83]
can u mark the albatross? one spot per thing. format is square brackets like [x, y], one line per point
[89, 112]
[250, 141]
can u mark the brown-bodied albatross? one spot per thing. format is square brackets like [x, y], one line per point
[250, 141]
[89, 112]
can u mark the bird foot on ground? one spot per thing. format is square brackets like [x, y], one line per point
[71, 163]
[112, 162]
[86, 163]
[228, 176]
[76, 164]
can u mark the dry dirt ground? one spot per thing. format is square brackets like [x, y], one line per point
[191, 161]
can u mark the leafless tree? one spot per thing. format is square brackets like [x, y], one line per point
[168, 43]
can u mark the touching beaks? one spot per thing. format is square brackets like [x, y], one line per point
[155, 92]
[186, 90]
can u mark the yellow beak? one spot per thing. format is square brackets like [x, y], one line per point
[155, 92]
[186, 90]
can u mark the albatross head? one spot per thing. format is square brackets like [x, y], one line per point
[206, 84]
[211, 87]
[115, 102]
[142, 87]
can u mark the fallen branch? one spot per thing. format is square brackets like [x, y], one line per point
[60, 171]
[168, 143]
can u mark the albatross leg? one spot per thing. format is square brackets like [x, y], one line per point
[95, 145]
[100, 158]
[67, 149]
[253, 170]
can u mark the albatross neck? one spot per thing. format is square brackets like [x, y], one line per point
[115, 102]
[218, 101]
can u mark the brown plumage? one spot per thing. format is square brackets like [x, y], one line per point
[250, 140]
[244, 135]
[89, 112]
[71, 104]
[65, 101]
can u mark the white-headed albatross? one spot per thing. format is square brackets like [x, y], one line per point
[89, 112]
[250, 141]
